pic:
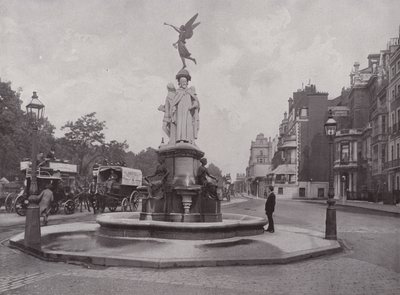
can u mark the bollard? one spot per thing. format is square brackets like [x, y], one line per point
[32, 225]
[330, 222]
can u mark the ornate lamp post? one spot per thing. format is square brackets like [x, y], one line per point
[35, 113]
[32, 224]
[330, 223]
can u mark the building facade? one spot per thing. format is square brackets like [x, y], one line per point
[261, 153]
[300, 164]
[367, 143]
[239, 185]
[393, 94]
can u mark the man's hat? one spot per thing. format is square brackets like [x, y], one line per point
[183, 73]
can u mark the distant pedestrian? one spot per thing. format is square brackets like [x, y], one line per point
[270, 208]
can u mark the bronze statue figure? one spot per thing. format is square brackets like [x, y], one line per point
[156, 183]
[185, 32]
[207, 181]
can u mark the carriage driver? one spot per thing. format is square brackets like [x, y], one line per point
[111, 180]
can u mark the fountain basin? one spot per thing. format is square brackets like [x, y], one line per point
[128, 225]
[81, 243]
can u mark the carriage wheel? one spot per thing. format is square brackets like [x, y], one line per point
[112, 206]
[124, 204]
[9, 203]
[54, 207]
[134, 201]
[20, 205]
[69, 207]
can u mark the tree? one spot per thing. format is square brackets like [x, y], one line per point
[14, 135]
[146, 160]
[115, 151]
[85, 140]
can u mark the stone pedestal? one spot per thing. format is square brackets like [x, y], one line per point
[182, 162]
[32, 227]
[184, 200]
[190, 197]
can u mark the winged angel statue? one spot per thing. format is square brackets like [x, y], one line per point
[185, 32]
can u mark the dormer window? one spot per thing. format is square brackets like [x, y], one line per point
[304, 113]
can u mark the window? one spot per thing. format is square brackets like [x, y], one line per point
[303, 112]
[321, 192]
[302, 192]
[393, 93]
[392, 152]
[398, 117]
[383, 154]
[261, 153]
[345, 152]
[383, 126]
[393, 71]
[398, 150]
[280, 190]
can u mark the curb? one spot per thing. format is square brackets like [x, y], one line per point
[172, 263]
[238, 258]
[357, 208]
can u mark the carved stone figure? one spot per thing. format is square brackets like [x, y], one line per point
[185, 110]
[185, 32]
[168, 126]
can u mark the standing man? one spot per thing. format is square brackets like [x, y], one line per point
[270, 207]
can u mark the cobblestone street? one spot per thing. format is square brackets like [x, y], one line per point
[343, 273]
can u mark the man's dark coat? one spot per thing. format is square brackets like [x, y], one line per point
[270, 203]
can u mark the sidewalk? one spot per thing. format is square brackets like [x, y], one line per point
[378, 207]
[363, 205]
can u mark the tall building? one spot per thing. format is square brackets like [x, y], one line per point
[352, 173]
[393, 94]
[363, 142]
[300, 164]
[240, 183]
[261, 153]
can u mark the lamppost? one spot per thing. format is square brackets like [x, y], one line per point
[32, 238]
[330, 223]
[35, 113]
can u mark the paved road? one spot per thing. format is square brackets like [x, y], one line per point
[369, 266]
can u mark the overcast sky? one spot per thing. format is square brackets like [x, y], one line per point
[116, 58]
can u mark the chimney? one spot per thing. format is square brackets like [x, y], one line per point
[290, 103]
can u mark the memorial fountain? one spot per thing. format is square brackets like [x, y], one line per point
[180, 222]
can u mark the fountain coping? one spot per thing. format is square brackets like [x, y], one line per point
[288, 244]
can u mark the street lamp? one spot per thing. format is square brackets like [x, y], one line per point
[330, 223]
[32, 237]
[35, 111]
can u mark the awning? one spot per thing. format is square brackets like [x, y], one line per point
[285, 169]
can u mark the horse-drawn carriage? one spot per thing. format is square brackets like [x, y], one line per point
[8, 193]
[62, 178]
[116, 186]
